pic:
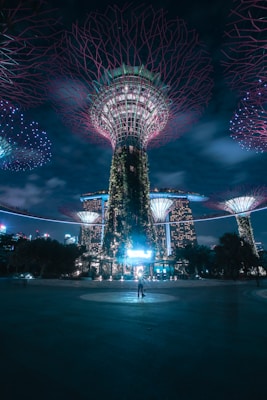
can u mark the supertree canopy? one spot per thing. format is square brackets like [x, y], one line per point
[249, 123]
[241, 206]
[160, 207]
[23, 145]
[134, 78]
[139, 63]
[84, 217]
[87, 217]
[27, 31]
[87, 220]
[245, 44]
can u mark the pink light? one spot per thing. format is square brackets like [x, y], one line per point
[245, 43]
[166, 52]
[22, 56]
[249, 123]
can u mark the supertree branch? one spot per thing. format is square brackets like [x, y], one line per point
[70, 212]
[27, 19]
[245, 44]
[27, 32]
[248, 125]
[140, 38]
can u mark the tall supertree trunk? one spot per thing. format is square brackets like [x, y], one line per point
[129, 219]
[246, 232]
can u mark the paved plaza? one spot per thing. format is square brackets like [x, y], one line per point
[184, 340]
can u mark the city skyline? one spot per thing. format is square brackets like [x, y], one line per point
[205, 159]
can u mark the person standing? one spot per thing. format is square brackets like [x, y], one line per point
[140, 288]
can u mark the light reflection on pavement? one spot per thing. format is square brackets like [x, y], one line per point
[128, 297]
[261, 293]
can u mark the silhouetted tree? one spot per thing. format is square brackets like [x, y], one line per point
[89, 259]
[263, 259]
[45, 257]
[7, 246]
[198, 257]
[233, 254]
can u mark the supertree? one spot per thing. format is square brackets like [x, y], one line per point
[27, 31]
[249, 123]
[240, 204]
[87, 220]
[245, 44]
[23, 145]
[134, 78]
[160, 207]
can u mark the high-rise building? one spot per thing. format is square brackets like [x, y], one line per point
[68, 239]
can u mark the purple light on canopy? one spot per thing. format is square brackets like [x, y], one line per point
[249, 123]
[245, 44]
[23, 146]
[131, 71]
[28, 31]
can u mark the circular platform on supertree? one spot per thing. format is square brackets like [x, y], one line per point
[131, 106]
[176, 194]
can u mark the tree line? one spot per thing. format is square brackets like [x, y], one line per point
[231, 258]
[41, 257]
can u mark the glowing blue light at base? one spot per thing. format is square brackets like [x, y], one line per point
[2, 228]
[143, 254]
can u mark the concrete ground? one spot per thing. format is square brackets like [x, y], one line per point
[96, 340]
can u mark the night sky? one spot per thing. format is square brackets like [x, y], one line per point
[205, 159]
